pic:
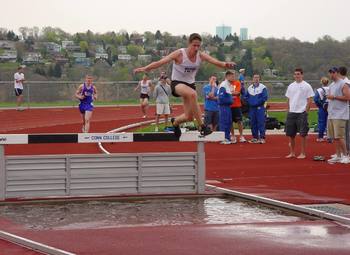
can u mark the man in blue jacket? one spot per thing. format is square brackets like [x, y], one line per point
[256, 96]
[225, 100]
[211, 108]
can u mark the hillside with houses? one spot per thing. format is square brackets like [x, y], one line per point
[53, 54]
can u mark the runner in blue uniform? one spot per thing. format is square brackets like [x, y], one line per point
[86, 93]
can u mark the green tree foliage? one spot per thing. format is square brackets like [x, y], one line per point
[135, 50]
[84, 46]
[246, 62]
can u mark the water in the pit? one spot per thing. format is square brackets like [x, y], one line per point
[148, 212]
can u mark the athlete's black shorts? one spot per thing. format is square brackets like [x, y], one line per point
[142, 96]
[18, 92]
[174, 83]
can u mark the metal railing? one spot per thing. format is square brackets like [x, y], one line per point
[62, 92]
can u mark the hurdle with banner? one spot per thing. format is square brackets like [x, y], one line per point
[114, 174]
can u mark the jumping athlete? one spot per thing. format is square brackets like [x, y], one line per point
[86, 93]
[186, 62]
[145, 85]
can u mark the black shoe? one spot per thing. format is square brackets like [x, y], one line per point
[177, 130]
[205, 130]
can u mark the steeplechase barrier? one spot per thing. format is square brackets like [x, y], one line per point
[74, 175]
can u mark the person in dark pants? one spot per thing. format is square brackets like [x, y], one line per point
[211, 108]
[225, 100]
[321, 102]
[299, 95]
[256, 96]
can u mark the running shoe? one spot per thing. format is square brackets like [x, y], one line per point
[177, 129]
[205, 130]
[262, 141]
[254, 140]
[242, 139]
[233, 139]
[156, 129]
[345, 160]
[334, 160]
[226, 142]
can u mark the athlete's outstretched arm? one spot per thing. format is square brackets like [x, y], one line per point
[216, 62]
[154, 65]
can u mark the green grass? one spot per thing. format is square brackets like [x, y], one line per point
[8, 66]
[281, 116]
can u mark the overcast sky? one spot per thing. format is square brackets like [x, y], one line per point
[306, 20]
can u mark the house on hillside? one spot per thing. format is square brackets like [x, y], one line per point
[7, 45]
[101, 56]
[124, 57]
[122, 49]
[32, 58]
[8, 55]
[52, 47]
[67, 43]
[144, 58]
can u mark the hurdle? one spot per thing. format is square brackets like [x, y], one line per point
[46, 176]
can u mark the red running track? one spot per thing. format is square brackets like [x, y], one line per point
[253, 168]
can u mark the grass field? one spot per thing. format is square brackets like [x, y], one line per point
[281, 116]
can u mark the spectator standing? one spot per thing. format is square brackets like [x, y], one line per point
[343, 72]
[161, 93]
[19, 80]
[211, 107]
[321, 102]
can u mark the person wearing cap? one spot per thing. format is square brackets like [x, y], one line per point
[338, 115]
[321, 102]
[161, 93]
[299, 95]
[211, 108]
[18, 83]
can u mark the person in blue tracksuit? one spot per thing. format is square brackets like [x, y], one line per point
[321, 102]
[256, 96]
[225, 100]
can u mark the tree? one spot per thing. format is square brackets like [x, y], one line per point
[84, 46]
[158, 35]
[246, 62]
[135, 50]
[11, 36]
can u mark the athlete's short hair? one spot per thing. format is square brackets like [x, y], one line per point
[229, 72]
[343, 70]
[193, 37]
[300, 70]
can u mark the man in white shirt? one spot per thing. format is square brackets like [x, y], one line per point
[19, 79]
[343, 72]
[299, 95]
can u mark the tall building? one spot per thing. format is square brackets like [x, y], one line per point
[223, 31]
[243, 35]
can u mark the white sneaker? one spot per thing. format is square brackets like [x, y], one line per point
[345, 160]
[242, 139]
[335, 155]
[334, 160]
[156, 129]
[225, 142]
[233, 139]
[262, 141]
[144, 116]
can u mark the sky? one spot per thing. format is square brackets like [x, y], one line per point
[306, 20]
